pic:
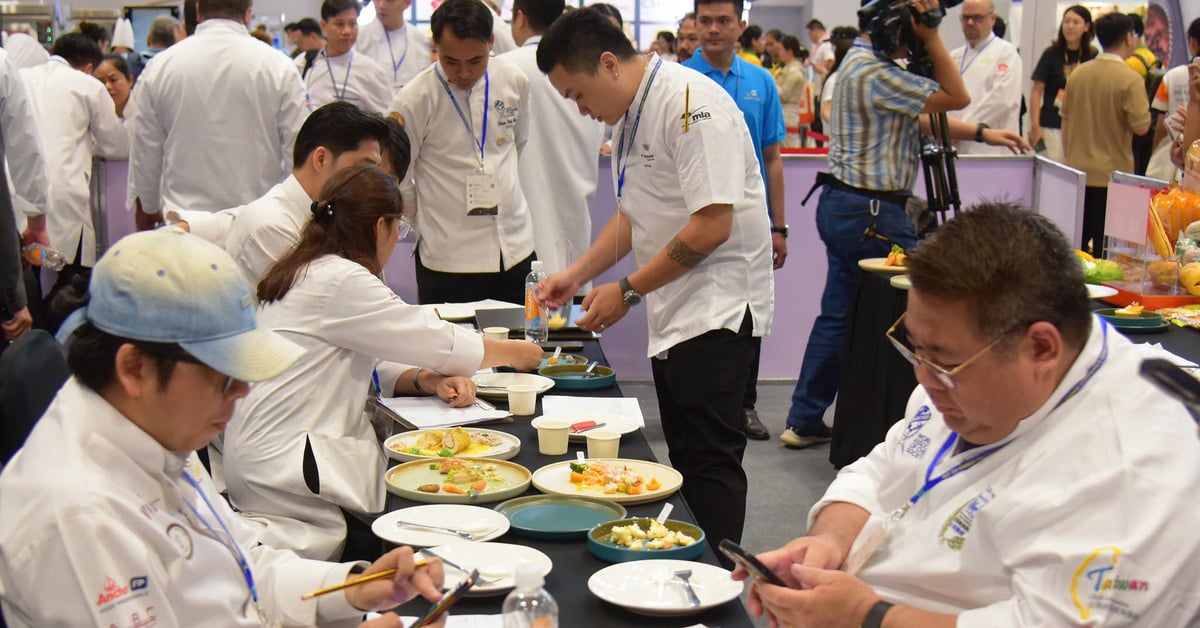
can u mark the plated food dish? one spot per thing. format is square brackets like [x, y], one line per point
[495, 561]
[880, 265]
[404, 526]
[496, 384]
[649, 587]
[456, 442]
[644, 539]
[458, 480]
[619, 480]
[557, 517]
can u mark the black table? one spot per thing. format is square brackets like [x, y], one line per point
[573, 563]
[876, 381]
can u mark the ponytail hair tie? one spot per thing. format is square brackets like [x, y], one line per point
[322, 212]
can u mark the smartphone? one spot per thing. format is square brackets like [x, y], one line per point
[1175, 381]
[1040, 146]
[447, 601]
[747, 561]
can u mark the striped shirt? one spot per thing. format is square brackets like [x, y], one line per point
[875, 136]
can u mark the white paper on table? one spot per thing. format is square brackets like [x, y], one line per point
[561, 405]
[1156, 350]
[459, 621]
[431, 412]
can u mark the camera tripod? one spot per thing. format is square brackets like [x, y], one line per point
[937, 162]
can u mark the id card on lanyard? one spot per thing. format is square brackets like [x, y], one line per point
[482, 189]
[878, 527]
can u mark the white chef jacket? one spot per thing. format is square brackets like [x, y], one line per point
[216, 120]
[1086, 517]
[403, 52]
[24, 50]
[96, 530]
[347, 320]
[22, 145]
[445, 153]
[356, 79]
[559, 166]
[76, 119]
[670, 175]
[992, 74]
[821, 54]
[502, 37]
[1172, 94]
[263, 231]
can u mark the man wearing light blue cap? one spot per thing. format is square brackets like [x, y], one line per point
[106, 515]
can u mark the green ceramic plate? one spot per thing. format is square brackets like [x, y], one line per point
[557, 517]
[603, 548]
[574, 377]
[1146, 319]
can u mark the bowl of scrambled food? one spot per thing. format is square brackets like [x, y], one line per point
[642, 538]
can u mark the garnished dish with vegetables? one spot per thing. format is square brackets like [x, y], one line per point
[610, 478]
[448, 443]
[465, 477]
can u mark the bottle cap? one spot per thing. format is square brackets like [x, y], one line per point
[535, 264]
[528, 575]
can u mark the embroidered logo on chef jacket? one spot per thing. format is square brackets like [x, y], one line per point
[505, 116]
[115, 594]
[954, 530]
[149, 508]
[1103, 584]
[182, 539]
[913, 442]
[697, 115]
[149, 621]
[1002, 69]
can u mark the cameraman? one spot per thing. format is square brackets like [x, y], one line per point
[874, 157]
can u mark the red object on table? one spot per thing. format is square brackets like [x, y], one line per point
[582, 425]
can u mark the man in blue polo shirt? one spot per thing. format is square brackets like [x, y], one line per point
[719, 23]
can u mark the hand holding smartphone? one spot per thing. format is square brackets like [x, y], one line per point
[747, 561]
[447, 601]
[1175, 382]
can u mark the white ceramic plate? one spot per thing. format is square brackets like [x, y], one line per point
[648, 587]
[612, 423]
[901, 282]
[556, 479]
[398, 446]
[455, 311]
[1096, 291]
[877, 265]
[485, 523]
[497, 383]
[498, 561]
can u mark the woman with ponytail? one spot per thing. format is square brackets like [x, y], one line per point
[300, 455]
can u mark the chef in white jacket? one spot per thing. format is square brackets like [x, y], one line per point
[402, 49]
[23, 154]
[217, 115]
[991, 70]
[1038, 482]
[465, 116]
[339, 72]
[106, 515]
[300, 456]
[559, 166]
[76, 120]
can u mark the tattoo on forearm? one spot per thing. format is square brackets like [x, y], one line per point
[684, 255]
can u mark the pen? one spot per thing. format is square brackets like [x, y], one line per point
[386, 573]
[687, 106]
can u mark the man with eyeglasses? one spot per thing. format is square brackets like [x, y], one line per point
[106, 515]
[1036, 479]
[991, 70]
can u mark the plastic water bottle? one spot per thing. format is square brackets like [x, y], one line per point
[537, 317]
[529, 605]
[42, 255]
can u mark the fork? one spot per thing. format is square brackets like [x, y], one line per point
[479, 581]
[683, 575]
[462, 533]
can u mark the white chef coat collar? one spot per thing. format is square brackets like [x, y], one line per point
[987, 40]
[383, 27]
[325, 53]
[295, 194]
[532, 41]
[437, 69]
[1078, 371]
[637, 95]
[221, 24]
[58, 59]
[108, 423]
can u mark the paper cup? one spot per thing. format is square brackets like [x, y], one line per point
[601, 444]
[495, 333]
[552, 437]
[522, 399]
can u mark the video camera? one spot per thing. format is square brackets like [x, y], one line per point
[889, 23]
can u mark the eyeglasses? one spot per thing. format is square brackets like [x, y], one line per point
[975, 18]
[943, 375]
[226, 386]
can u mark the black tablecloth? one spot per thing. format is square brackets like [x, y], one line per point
[573, 563]
[876, 381]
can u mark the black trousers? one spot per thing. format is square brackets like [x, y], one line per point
[751, 396]
[700, 386]
[505, 285]
[1095, 207]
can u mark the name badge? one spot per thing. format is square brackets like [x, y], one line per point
[483, 194]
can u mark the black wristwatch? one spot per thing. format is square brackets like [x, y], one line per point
[979, 131]
[783, 230]
[628, 294]
[875, 615]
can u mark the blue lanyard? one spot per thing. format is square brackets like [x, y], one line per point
[395, 65]
[931, 481]
[231, 543]
[622, 157]
[487, 91]
[962, 69]
[346, 82]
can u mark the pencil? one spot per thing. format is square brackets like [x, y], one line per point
[687, 106]
[386, 573]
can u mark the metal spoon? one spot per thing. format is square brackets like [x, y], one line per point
[683, 575]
